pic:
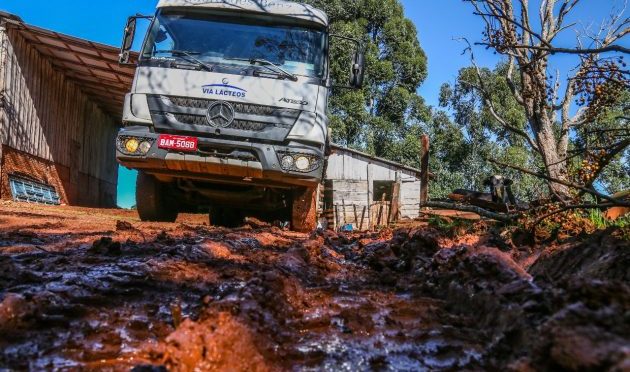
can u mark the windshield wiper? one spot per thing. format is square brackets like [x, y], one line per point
[188, 54]
[268, 65]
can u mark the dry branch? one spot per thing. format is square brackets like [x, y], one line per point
[554, 50]
[471, 208]
[586, 190]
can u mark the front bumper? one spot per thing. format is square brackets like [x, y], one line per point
[222, 161]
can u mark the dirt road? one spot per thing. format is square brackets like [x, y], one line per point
[99, 290]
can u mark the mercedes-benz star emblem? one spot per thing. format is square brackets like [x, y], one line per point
[220, 114]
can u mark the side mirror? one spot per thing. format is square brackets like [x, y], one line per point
[358, 70]
[128, 36]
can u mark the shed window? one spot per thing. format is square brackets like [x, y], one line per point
[33, 192]
[383, 190]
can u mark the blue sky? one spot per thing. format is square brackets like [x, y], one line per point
[438, 22]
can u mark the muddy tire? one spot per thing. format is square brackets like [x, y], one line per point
[304, 210]
[153, 200]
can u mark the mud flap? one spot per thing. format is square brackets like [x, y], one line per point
[304, 211]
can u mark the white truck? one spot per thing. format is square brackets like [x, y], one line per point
[228, 110]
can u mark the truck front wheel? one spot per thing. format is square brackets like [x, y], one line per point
[153, 200]
[304, 211]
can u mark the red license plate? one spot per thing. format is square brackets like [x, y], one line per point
[179, 143]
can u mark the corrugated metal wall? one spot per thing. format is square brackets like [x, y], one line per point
[45, 115]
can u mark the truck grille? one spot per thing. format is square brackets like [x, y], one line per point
[237, 124]
[179, 114]
[242, 108]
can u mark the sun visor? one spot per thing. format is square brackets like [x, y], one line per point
[271, 7]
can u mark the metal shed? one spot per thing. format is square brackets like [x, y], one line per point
[366, 191]
[60, 104]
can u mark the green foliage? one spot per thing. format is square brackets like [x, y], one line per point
[460, 148]
[492, 140]
[598, 219]
[452, 227]
[376, 119]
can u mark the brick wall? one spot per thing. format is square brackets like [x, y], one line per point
[74, 188]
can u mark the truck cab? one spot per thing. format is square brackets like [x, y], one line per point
[228, 110]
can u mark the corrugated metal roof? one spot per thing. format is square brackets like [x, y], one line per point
[92, 66]
[376, 159]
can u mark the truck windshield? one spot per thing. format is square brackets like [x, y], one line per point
[235, 42]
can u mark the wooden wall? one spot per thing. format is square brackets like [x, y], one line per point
[410, 198]
[47, 116]
[349, 190]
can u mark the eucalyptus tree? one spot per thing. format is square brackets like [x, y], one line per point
[377, 118]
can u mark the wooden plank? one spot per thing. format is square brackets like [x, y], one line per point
[335, 167]
[319, 199]
[354, 200]
[2, 61]
[44, 101]
[341, 194]
[362, 218]
[338, 195]
[424, 169]
[380, 212]
[39, 144]
[395, 208]
[410, 191]
[370, 196]
[383, 173]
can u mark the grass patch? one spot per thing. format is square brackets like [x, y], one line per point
[452, 227]
[601, 222]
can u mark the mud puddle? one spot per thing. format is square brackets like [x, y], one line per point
[189, 297]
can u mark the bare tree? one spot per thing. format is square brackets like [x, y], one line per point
[598, 82]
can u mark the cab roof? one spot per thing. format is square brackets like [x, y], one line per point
[275, 7]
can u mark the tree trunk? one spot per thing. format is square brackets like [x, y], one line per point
[555, 164]
[552, 151]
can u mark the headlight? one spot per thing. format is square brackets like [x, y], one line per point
[288, 162]
[298, 162]
[302, 163]
[144, 148]
[131, 145]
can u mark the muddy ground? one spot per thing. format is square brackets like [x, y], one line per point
[82, 289]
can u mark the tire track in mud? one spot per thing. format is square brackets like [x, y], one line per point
[186, 296]
[304, 303]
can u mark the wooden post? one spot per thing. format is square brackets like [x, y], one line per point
[362, 218]
[336, 218]
[343, 204]
[424, 175]
[370, 197]
[380, 211]
[395, 207]
[356, 216]
[320, 201]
